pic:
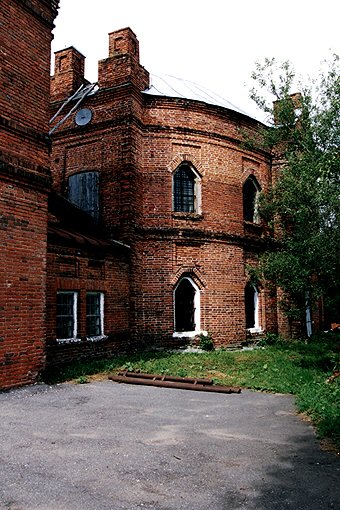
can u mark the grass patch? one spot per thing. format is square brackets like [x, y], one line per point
[283, 367]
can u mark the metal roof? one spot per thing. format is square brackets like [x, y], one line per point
[171, 86]
[83, 239]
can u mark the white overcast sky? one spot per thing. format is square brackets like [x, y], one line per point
[212, 42]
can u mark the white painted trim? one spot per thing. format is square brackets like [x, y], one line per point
[197, 306]
[197, 188]
[101, 311]
[257, 327]
[75, 317]
[102, 314]
[189, 334]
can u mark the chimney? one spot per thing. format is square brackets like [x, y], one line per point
[122, 66]
[68, 73]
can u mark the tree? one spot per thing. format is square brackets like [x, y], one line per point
[302, 206]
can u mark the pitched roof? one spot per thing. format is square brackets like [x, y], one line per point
[171, 86]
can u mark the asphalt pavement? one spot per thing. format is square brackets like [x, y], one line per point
[109, 446]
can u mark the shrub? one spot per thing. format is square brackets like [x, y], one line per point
[206, 342]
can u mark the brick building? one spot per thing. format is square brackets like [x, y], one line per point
[160, 166]
[141, 234]
[24, 185]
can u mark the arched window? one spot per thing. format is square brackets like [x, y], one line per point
[83, 191]
[187, 306]
[251, 301]
[251, 190]
[185, 189]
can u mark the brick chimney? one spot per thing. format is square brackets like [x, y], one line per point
[69, 69]
[123, 65]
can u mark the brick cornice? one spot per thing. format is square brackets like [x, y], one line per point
[181, 235]
[52, 5]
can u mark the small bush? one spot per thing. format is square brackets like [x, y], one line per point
[270, 339]
[206, 343]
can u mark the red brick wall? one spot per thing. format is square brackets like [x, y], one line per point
[24, 182]
[136, 142]
[82, 270]
[22, 283]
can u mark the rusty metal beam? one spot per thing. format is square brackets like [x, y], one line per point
[174, 384]
[157, 377]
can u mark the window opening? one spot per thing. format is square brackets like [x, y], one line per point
[83, 191]
[184, 189]
[251, 307]
[66, 315]
[185, 306]
[94, 313]
[250, 198]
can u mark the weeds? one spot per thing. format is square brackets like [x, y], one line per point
[206, 343]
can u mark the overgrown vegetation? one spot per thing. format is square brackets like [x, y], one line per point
[302, 207]
[301, 369]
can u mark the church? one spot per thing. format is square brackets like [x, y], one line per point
[128, 207]
[159, 166]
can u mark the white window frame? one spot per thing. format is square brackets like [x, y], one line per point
[197, 190]
[101, 311]
[75, 316]
[197, 316]
[257, 327]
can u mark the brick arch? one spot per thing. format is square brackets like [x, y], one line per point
[251, 174]
[191, 272]
[185, 158]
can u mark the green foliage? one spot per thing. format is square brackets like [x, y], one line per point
[206, 343]
[302, 207]
[270, 339]
[82, 379]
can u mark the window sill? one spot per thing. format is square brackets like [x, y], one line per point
[68, 340]
[96, 338]
[189, 334]
[187, 216]
[253, 228]
[79, 340]
[253, 224]
[255, 330]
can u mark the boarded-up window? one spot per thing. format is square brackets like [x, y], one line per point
[83, 191]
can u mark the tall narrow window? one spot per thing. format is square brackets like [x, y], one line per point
[185, 190]
[251, 191]
[94, 314]
[66, 316]
[251, 307]
[83, 191]
[186, 308]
